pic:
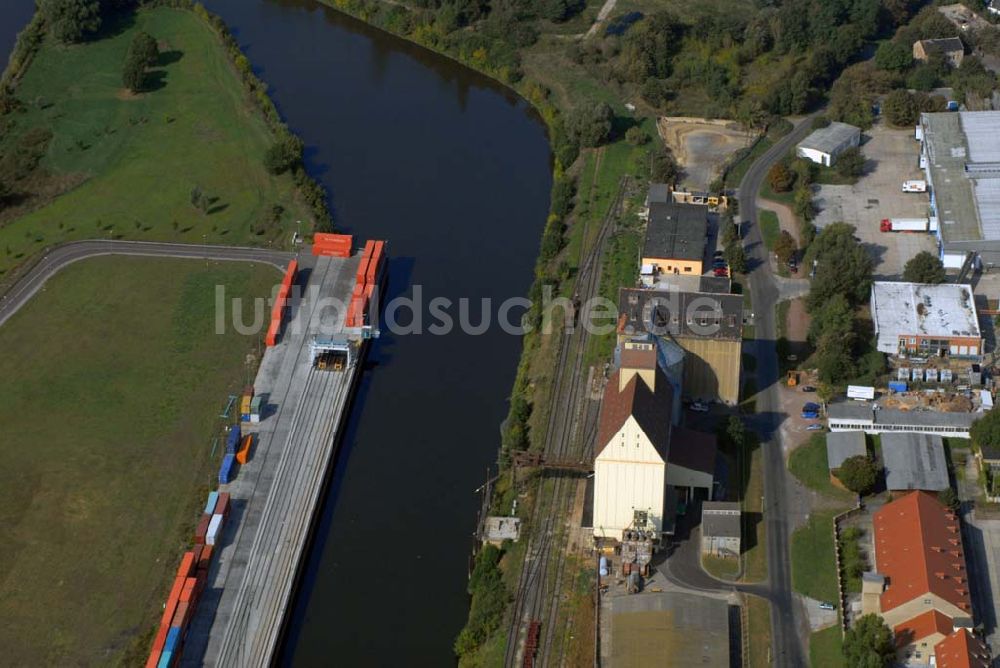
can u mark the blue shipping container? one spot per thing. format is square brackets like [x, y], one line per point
[226, 470]
[170, 648]
[233, 442]
[213, 499]
[897, 386]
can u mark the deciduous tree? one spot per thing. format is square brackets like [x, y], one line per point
[851, 163]
[780, 177]
[900, 108]
[858, 474]
[924, 268]
[71, 20]
[869, 643]
[785, 247]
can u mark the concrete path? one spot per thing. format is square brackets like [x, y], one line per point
[602, 15]
[66, 254]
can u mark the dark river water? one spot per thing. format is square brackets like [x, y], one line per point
[454, 172]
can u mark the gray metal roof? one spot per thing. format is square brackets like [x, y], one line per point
[680, 314]
[831, 138]
[658, 193]
[858, 410]
[721, 519]
[963, 169]
[676, 231]
[914, 461]
[841, 445]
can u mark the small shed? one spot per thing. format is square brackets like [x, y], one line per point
[951, 50]
[914, 461]
[498, 529]
[720, 528]
[989, 455]
[825, 144]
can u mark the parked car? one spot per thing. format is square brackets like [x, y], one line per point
[814, 427]
[793, 267]
[718, 253]
[721, 271]
[826, 605]
[810, 406]
[810, 415]
[699, 407]
[808, 388]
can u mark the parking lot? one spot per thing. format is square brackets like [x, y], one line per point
[892, 157]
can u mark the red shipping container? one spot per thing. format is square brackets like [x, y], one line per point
[222, 505]
[289, 278]
[334, 245]
[366, 257]
[206, 555]
[187, 565]
[196, 550]
[376, 260]
[188, 589]
[271, 339]
[181, 616]
[202, 529]
[157, 648]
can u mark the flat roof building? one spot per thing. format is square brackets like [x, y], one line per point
[676, 236]
[707, 326]
[721, 528]
[873, 419]
[960, 154]
[825, 144]
[841, 445]
[924, 320]
[914, 461]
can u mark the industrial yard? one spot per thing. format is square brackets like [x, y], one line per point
[108, 436]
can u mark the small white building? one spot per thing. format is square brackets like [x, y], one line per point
[825, 144]
[721, 528]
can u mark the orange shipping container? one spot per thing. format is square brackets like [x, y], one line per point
[154, 652]
[188, 589]
[181, 616]
[376, 260]
[187, 564]
[206, 555]
[175, 595]
[271, 339]
[244, 452]
[366, 257]
[334, 245]
[289, 278]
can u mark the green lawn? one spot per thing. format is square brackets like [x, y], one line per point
[113, 382]
[135, 159]
[814, 568]
[808, 463]
[825, 648]
[769, 227]
[759, 623]
[721, 567]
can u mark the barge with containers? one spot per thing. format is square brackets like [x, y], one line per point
[323, 319]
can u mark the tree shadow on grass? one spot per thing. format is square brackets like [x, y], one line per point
[169, 57]
[113, 24]
[154, 81]
[217, 209]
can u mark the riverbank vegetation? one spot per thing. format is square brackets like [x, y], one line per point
[101, 136]
[109, 421]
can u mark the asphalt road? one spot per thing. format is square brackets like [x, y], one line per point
[788, 649]
[66, 254]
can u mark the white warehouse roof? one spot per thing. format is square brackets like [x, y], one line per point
[920, 309]
[831, 138]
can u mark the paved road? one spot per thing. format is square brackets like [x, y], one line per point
[66, 254]
[788, 646]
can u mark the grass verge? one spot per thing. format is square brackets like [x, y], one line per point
[759, 630]
[814, 568]
[826, 648]
[769, 227]
[108, 427]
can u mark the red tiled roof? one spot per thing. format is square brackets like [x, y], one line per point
[921, 626]
[918, 547]
[651, 410]
[961, 650]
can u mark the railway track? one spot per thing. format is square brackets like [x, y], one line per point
[536, 603]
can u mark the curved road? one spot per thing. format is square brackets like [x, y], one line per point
[68, 253]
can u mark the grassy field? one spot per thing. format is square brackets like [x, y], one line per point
[814, 567]
[825, 649]
[133, 161]
[109, 420]
[759, 622]
[808, 463]
[721, 567]
[769, 227]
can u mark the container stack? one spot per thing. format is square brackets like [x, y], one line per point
[192, 575]
[256, 406]
[246, 403]
[227, 471]
[332, 245]
[281, 303]
[365, 282]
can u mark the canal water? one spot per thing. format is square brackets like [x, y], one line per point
[455, 173]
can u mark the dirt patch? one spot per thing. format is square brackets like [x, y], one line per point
[702, 146]
[797, 324]
[786, 218]
[126, 95]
